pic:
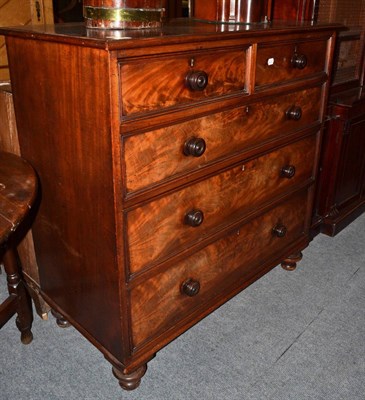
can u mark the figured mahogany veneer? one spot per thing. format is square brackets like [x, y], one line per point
[164, 82]
[158, 303]
[223, 198]
[176, 166]
[161, 153]
[287, 61]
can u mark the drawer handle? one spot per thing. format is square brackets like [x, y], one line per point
[294, 113]
[194, 218]
[196, 80]
[279, 230]
[190, 287]
[299, 61]
[288, 171]
[194, 147]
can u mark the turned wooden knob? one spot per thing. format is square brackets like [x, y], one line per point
[288, 171]
[196, 80]
[190, 287]
[194, 218]
[294, 113]
[299, 61]
[194, 147]
[279, 230]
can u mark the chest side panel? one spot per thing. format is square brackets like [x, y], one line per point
[62, 105]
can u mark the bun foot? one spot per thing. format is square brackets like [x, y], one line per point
[290, 263]
[130, 381]
[26, 337]
[60, 319]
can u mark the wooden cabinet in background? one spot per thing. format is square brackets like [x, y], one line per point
[294, 10]
[342, 182]
[178, 8]
[340, 195]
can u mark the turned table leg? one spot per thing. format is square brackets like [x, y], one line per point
[132, 380]
[23, 302]
[290, 263]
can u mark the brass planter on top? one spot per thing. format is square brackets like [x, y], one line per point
[123, 14]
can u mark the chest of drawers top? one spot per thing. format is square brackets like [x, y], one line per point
[186, 63]
[173, 31]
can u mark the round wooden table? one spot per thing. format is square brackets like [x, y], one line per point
[18, 189]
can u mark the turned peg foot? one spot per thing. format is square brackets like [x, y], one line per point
[60, 319]
[26, 335]
[290, 263]
[18, 291]
[132, 380]
[25, 315]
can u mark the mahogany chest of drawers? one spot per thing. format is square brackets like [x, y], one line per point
[176, 166]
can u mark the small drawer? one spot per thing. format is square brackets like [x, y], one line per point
[156, 84]
[286, 62]
[164, 300]
[171, 223]
[159, 155]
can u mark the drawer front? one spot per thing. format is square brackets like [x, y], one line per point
[165, 226]
[150, 85]
[287, 62]
[160, 303]
[164, 153]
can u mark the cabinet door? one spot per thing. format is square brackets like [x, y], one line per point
[350, 184]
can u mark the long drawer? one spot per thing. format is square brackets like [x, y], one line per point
[158, 83]
[163, 227]
[159, 155]
[163, 300]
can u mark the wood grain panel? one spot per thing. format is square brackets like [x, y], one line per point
[158, 155]
[63, 134]
[157, 304]
[157, 230]
[8, 133]
[280, 68]
[154, 84]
